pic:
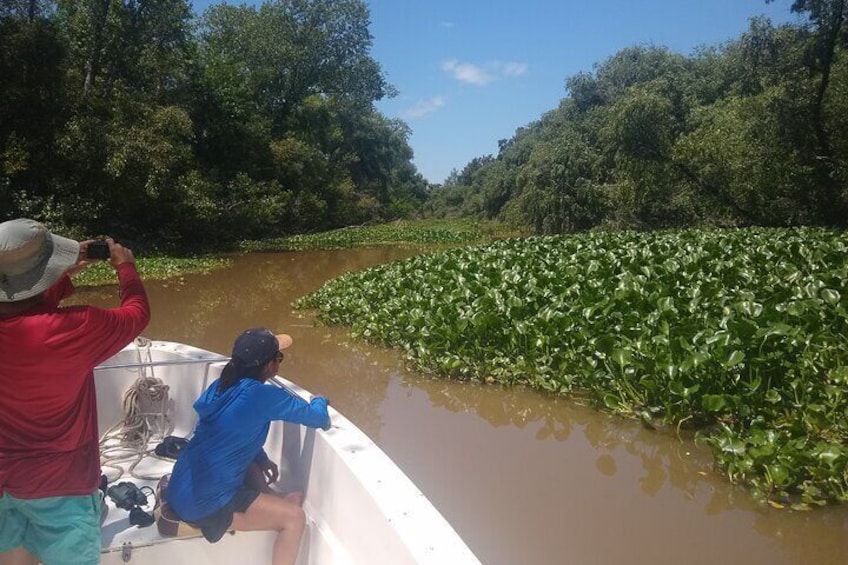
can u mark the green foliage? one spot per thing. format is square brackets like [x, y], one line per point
[138, 120]
[746, 133]
[736, 157]
[742, 335]
[418, 232]
[151, 268]
[452, 201]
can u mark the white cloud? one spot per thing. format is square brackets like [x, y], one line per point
[447, 25]
[481, 75]
[423, 107]
[513, 69]
[467, 72]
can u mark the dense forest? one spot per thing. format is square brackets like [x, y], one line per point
[749, 133]
[194, 131]
[185, 131]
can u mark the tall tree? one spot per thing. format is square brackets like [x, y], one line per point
[32, 107]
[828, 18]
[139, 44]
[289, 50]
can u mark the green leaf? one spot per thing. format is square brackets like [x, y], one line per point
[621, 356]
[778, 473]
[749, 307]
[611, 401]
[829, 454]
[773, 396]
[830, 296]
[713, 402]
[839, 375]
[605, 344]
[734, 359]
[693, 361]
[665, 304]
[732, 445]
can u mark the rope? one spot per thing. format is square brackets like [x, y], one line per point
[145, 406]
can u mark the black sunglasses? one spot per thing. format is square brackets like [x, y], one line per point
[279, 357]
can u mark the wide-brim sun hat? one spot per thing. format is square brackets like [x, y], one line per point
[257, 346]
[32, 259]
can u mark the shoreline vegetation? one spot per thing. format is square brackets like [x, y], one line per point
[739, 336]
[401, 232]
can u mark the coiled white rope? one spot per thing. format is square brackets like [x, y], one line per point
[145, 408]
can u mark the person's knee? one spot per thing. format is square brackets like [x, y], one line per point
[298, 521]
[292, 519]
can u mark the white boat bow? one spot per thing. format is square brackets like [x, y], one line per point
[360, 507]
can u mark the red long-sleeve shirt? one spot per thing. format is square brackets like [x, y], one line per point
[48, 409]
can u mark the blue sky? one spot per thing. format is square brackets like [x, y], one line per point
[470, 72]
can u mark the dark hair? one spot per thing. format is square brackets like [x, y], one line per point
[235, 370]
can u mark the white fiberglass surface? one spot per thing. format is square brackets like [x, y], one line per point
[360, 507]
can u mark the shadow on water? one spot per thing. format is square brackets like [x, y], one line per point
[524, 477]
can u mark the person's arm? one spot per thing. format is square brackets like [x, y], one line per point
[280, 404]
[261, 458]
[89, 335]
[98, 333]
[119, 326]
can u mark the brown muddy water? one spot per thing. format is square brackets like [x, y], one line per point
[525, 478]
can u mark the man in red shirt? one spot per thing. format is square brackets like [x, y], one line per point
[49, 442]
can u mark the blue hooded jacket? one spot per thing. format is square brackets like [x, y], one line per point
[229, 436]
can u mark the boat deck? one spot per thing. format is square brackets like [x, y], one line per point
[116, 528]
[121, 539]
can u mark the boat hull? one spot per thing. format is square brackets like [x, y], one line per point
[360, 507]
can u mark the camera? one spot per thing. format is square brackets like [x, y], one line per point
[126, 495]
[97, 250]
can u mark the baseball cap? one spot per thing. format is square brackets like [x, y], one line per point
[257, 346]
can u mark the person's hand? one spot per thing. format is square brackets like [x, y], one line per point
[118, 253]
[271, 471]
[82, 262]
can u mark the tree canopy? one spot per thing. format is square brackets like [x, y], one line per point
[141, 118]
[187, 131]
[751, 132]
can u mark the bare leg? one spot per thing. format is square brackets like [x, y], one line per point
[18, 556]
[271, 512]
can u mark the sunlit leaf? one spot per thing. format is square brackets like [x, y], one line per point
[830, 296]
[734, 359]
[713, 402]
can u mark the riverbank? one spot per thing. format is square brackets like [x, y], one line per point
[447, 233]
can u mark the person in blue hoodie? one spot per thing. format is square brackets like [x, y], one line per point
[219, 480]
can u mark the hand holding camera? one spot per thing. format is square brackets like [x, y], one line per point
[97, 250]
[107, 249]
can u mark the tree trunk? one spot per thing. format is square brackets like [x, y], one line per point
[93, 64]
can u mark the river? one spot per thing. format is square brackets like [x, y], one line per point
[524, 477]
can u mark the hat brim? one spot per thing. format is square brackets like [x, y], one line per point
[285, 340]
[61, 254]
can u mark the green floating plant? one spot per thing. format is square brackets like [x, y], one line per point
[741, 335]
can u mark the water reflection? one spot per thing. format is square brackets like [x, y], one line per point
[665, 460]
[524, 477]
[606, 465]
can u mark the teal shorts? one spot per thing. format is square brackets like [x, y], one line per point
[57, 530]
